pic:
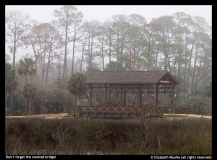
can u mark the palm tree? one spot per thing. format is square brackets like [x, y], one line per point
[11, 83]
[26, 67]
[76, 85]
[29, 93]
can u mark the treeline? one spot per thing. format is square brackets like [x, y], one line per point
[178, 43]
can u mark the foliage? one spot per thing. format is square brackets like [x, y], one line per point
[19, 103]
[78, 136]
[55, 101]
[16, 24]
[76, 84]
[7, 68]
[196, 102]
[26, 67]
[11, 82]
[179, 43]
[7, 57]
[53, 106]
[208, 90]
[114, 66]
[29, 91]
[92, 70]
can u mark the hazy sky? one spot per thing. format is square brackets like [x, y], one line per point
[43, 13]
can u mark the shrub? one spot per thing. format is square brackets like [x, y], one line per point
[79, 136]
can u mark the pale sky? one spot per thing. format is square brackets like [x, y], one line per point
[43, 13]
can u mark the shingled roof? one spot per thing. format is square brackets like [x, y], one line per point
[130, 77]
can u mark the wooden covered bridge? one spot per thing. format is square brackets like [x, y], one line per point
[120, 94]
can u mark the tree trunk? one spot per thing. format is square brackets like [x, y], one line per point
[43, 62]
[130, 65]
[73, 52]
[65, 56]
[165, 60]
[82, 56]
[46, 77]
[179, 62]
[29, 106]
[149, 54]
[189, 67]
[14, 52]
[91, 50]
[194, 69]
[185, 77]
[122, 48]
[36, 59]
[156, 59]
[26, 78]
[110, 49]
[196, 76]
[102, 55]
[11, 102]
[48, 64]
[117, 46]
[59, 72]
[77, 100]
[89, 60]
[134, 53]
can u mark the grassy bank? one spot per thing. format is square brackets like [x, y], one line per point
[79, 136]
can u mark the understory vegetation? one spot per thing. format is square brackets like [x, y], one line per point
[92, 136]
[66, 51]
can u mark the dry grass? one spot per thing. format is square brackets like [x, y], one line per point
[89, 136]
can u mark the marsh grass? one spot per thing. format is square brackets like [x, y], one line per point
[92, 136]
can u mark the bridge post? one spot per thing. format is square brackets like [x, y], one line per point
[90, 95]
[173, 98]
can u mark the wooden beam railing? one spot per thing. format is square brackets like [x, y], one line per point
[135, 110]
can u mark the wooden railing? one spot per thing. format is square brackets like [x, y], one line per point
[104, 111]
[132, 110]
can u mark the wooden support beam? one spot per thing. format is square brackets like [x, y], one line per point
[91, 95]
[173, 98]
[140, 99]
[127, 112]
[109, 95]
[79, 113]
[154, 102]
[137, 102]
[105, 94]
[156, 96]
[122, 99]
[125, 99]
[106, 90]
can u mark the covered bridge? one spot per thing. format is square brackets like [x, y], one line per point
[119, 94]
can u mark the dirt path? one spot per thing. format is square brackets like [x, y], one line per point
[199, 116]
[62, 115]
[189, 115]
[43, 116]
